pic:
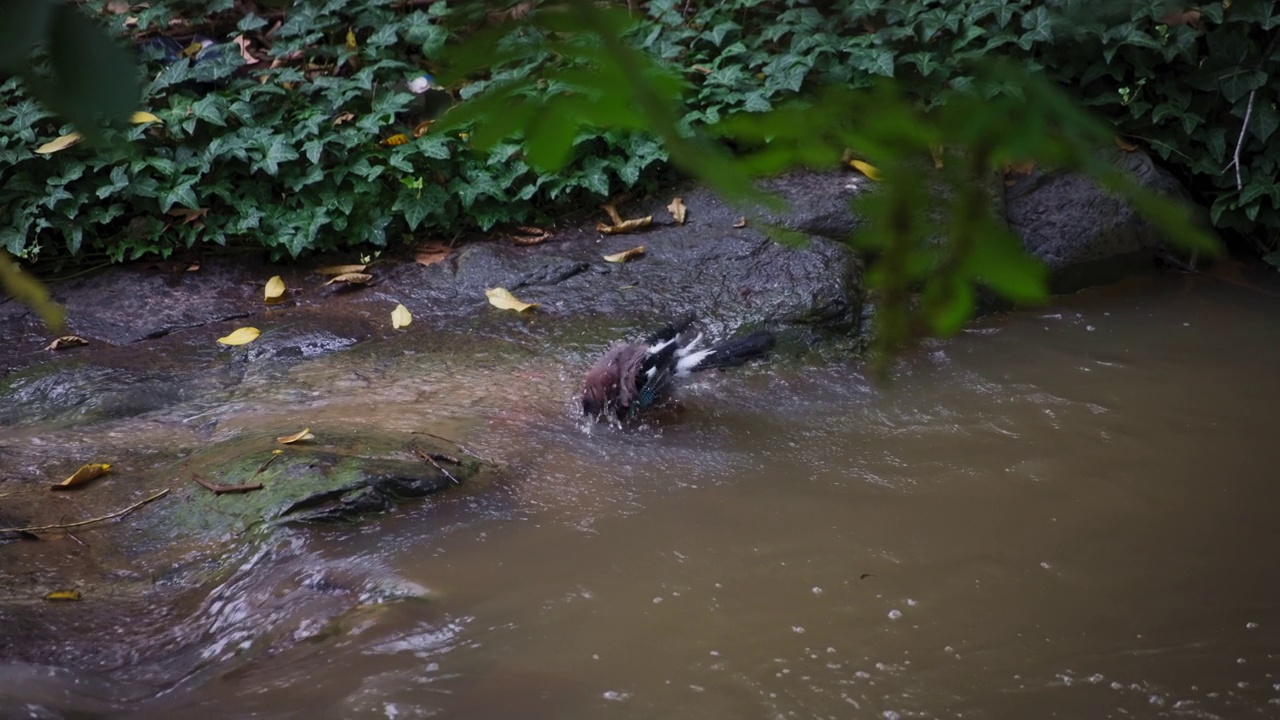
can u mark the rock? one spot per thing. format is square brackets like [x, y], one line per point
[1086, 235]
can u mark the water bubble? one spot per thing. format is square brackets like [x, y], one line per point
[895, 614]
[890, 715]
[615, 696]
[1045, 565]
[911, 602]
[657, 600]
[817, 590]
[949, 650]
[1251, 626]
[797, 629]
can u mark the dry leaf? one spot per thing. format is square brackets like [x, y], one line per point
[611, 209]
[61, 143]
[740, 222]
[678, 210]
[342, 118]
[66, 341]
[865, 168]
[339, 269]
[243, 43]
[243, 336]
[625, 255]
[530, 235]
[394, 140]
[63, 596]
[274, 289]
[421, 128]
[502, 299]
[354, 278]
[303, 434]
[1125, 145]
[189, 215]
[86, 473]
[430, 254]
[401, 317]
[702, 69]
[625, 226]
[939, 154]
[143, 116]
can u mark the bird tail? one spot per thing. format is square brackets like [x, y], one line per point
[731, 352]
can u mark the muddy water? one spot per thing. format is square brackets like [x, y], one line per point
[1064, 513]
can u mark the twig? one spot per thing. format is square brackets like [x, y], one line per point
[65, 526]
[428, 458]
[217, 489]
[461, 447]
[264, 465]
[1244, 126]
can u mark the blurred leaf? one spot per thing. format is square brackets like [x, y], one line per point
[401, 317]
[303, 434]
[502, 299]
[242, 336]
[61, 143]
[85, 474]
[274, 289]
[625, 255]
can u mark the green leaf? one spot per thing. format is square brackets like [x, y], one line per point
[26, 22]
[96, 79]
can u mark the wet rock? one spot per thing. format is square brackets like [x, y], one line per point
[1086, 235]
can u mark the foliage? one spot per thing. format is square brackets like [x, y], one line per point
[560, 108]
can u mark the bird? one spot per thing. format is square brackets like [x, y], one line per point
[633, 377]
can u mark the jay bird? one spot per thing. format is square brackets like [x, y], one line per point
[633, 377]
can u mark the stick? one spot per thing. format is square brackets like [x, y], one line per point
[428, 458]
[263, 466]
[1235, 158]
[461, 447]
[65, 526]
[217, 489]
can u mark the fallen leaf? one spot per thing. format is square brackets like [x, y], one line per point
[274, 289]
[189, 215]
[192, 50]
[61, 143]
[66, 341]
[625, 226]
[242, 42]
[530, 235]
[625, 255]
[401, 317]
[339, 269]
[352, 45]
[1125, 145]
[502, 299]
[702, 69]
[740, 222]
[342, 118]
[353, 278]
[243, 336]
[303, 434]
[431, 254]
[678, 210]
[865, 168]
[394, 140]
[421, 128]
[63, 596]
[82, 476]
[611, 209]
[143, 116]
[939, 156]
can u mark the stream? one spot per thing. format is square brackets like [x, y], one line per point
[1065, 512]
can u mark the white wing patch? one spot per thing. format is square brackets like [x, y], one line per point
[689, 361]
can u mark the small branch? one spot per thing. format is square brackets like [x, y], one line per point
[428, 458]
[65, 526]
[1235, 157]
[461, 447]
[217, 489]
[264, 465]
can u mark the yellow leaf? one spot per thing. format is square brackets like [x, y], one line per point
[502, 299]
[394, 140]
[63, 596]
[352, 45]
[243, 336]
[274, 289]
[611, 209]
[66, 341]
[400, 317]
[625, 226]
[143, 116]
[83, 475]
[865, 168]
[339, 269]
[421, 128]
[192, 50]
[61, 143]
[303, 434]
[354, 278]
[625, 255]
[678, 210]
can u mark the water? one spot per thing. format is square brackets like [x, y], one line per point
[1061, 513]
